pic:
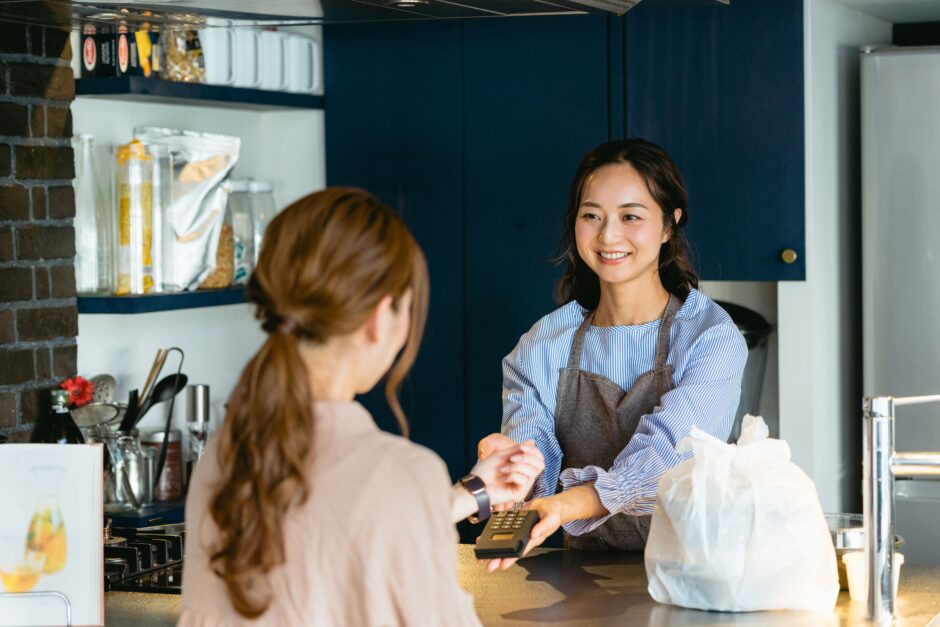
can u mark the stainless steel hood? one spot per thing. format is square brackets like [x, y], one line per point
[172, 14]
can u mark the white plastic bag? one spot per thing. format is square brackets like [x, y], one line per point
[740, 528]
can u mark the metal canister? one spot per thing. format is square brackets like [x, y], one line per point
[134, 219]
[169, 486]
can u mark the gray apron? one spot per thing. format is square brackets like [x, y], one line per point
[595, 420]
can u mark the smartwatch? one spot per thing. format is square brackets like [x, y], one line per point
[475, 486]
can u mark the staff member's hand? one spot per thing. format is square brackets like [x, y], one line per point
[510, 474]
[493, 442]
[550, 513]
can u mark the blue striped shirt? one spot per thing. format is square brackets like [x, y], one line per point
[707, 353]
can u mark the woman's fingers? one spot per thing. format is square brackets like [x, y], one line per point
[493, 442]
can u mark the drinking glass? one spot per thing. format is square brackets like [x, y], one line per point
[20, 568]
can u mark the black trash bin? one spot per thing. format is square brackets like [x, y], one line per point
[756, 331]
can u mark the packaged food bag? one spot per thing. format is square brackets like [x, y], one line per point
[739, 528]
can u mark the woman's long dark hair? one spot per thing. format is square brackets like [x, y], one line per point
[676, 272]
[326, 263]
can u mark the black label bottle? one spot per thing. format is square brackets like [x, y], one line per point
[57, 426]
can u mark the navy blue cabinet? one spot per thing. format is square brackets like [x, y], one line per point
[721, 89]
[393, 127]
[535, 100]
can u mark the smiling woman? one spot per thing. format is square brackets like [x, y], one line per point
[611, 381]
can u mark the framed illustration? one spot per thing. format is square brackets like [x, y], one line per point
[51, 534]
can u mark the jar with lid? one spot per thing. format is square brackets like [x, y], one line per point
[262, 211]
[239, 208]
[134, 185]
[169, 484]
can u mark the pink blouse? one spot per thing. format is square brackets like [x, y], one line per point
[373, 545]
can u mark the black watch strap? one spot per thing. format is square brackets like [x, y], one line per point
[475, 486]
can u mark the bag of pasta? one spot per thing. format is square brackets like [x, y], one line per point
[739, 527]
[197, 237]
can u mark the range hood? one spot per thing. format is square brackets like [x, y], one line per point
[175, 14]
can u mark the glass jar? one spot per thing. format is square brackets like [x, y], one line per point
[169, 485]
[94, 246]
[262, 211]
[239, 207]
[134, 185]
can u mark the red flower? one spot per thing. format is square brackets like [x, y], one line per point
[80, 390]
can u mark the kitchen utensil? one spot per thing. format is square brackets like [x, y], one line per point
[155, 369]
[105, 385]
[130, 415]
[95, 414]
[164, 390]
[848, 535]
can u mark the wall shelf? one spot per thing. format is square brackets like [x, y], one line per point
[138, 88]
[160, 302]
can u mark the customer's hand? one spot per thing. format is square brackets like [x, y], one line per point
[493, 442]
[550, 519]
[509, 473]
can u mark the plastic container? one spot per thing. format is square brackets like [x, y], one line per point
[858, 578]
[134, 192]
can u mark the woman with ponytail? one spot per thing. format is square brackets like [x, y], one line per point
[301, 511]
[611, 381]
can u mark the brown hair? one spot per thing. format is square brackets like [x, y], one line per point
[662, 178]
[327, 261]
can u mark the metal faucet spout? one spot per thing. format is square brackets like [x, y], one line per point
[880, 464]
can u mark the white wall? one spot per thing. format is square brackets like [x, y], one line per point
[217, 342]
[819, 319]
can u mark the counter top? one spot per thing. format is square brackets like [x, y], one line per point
[599, 588]
[573, 588]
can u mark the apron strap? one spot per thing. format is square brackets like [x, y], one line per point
[662, 342]
[574, 357]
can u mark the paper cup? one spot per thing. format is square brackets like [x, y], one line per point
[855, 568]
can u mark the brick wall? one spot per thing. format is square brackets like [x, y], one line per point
[38, 317]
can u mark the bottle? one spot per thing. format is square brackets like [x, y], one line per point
[57, 426]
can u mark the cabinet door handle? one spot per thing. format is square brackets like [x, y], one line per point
[788, 255]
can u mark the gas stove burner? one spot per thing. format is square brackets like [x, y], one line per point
[150, 559]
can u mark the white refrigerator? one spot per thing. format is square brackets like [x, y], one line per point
[900, 91]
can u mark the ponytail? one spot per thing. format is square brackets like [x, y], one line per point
[267, 434]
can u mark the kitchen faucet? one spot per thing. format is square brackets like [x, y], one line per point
[880, 465]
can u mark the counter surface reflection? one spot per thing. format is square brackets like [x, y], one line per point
[561, 588]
